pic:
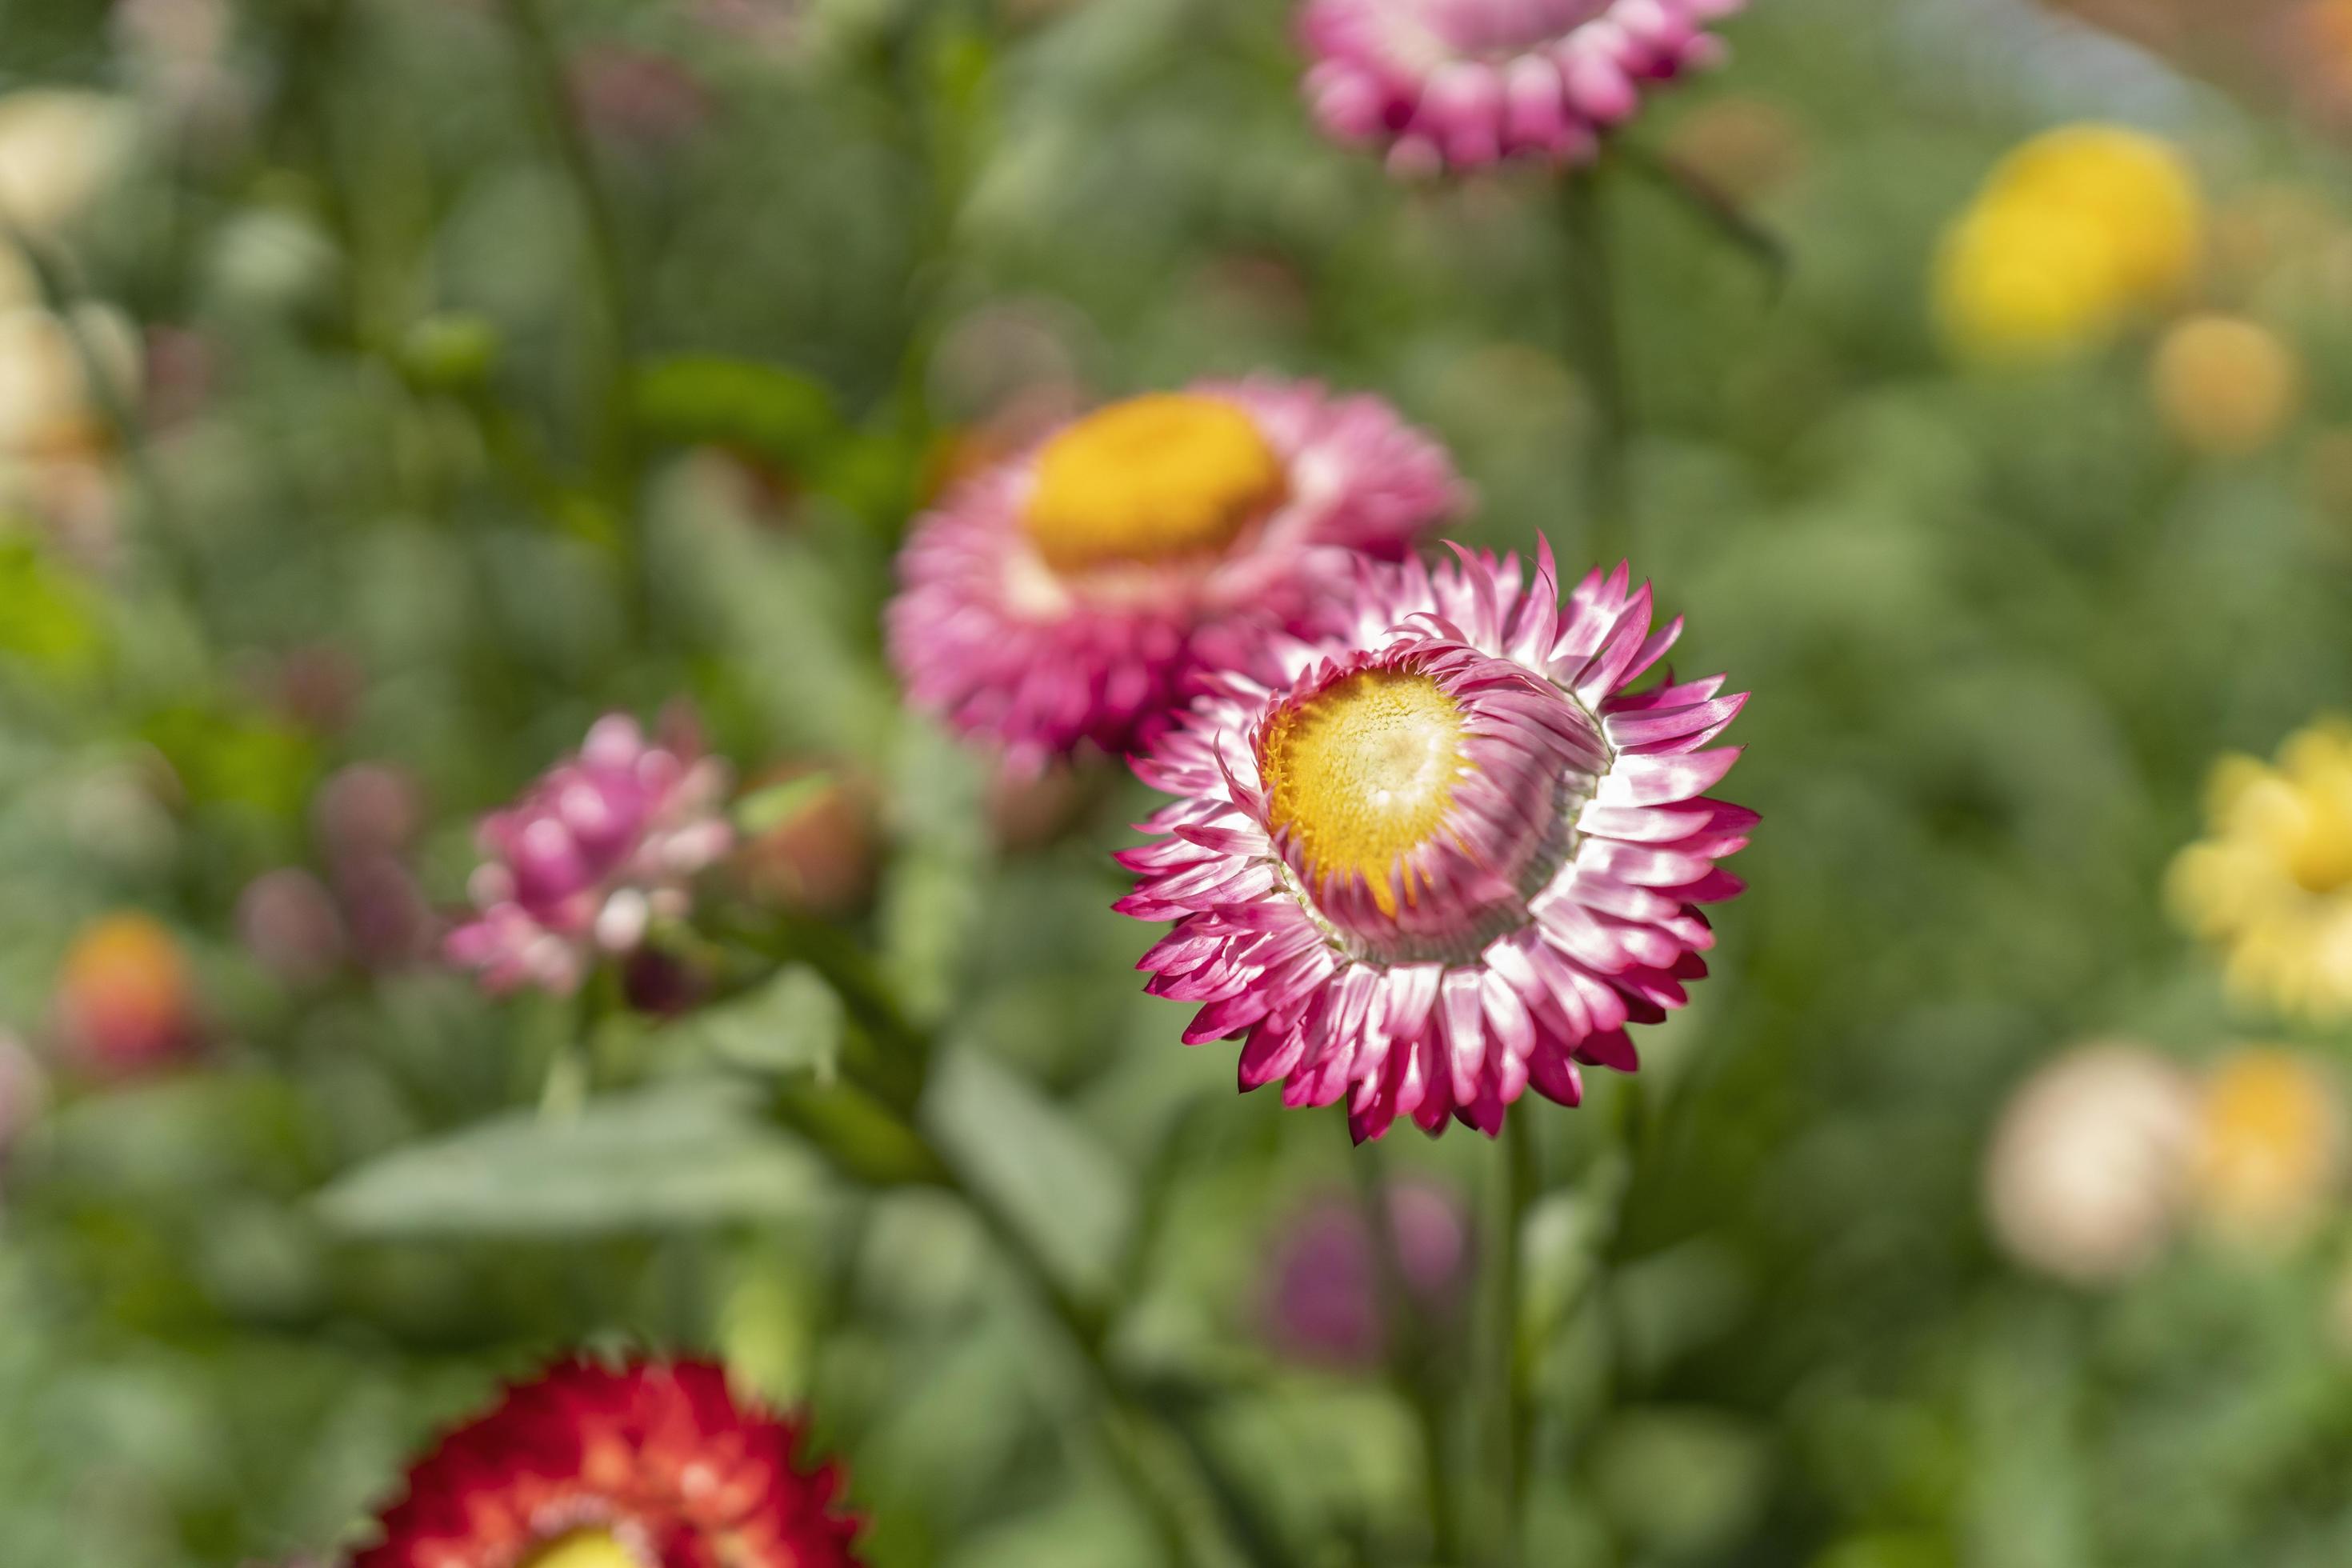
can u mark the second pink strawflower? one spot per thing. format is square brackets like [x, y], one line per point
[1066, 598]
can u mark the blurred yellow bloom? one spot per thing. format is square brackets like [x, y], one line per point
[2072, 236]
[2272, 883]
[2225, 386]
[2269, 1146]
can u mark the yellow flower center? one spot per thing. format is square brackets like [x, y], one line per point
[1153, 478]
[2322, 862]
[584, 1549]
[1363, 773]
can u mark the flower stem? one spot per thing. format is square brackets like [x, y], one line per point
[615, 448]
[1149, 1445]
[1513, 1183]
[1168, 1465]
[1592, 312]
[1409, 1349]
[1714, 207]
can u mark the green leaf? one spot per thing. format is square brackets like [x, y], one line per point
[777, 413]
[934, 901]
[688, 1153]
[792, 1024]
[1046, 1173]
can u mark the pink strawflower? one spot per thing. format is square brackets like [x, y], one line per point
[1322, 1295]
[1466, 83]
[602, 845]
[1445, 854]
[1068, 595]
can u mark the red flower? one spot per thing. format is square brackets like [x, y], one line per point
[649, 1465]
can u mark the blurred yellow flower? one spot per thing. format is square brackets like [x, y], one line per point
[2225, 386]
[2272, 883]
[2269, 1146]
[2072, 235]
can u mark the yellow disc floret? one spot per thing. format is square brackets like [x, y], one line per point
[1363, 773]
[584, 1549]
[1154, 478]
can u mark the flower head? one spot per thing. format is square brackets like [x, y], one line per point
[2271, 881]
[2072, 235]
[1323, 1300]
[126, 998]
[1066, 596]
[2270, 1147]
[2089, 1163]
[2225, 385]
[1443, 854]
[648, 1465]
[602, 845]
[1466, 83]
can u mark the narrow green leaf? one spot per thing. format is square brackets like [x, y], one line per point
[1070, 1196]
[678, 1155]
[792, 1024]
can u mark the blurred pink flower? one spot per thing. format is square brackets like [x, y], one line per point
[366, 809]
[1322, 1290]
[1466, 83]
[1446, 854]
[1066, 597]
[287, 921]
[637, 99]
[602, 845]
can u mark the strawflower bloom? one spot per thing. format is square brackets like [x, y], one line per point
[650, 1464]
[1462, 84]
[2271, 1149]
[2073, 236]
[2225, 385]
[126, 997]
[1067, 597]
[1445, 854]
[2090, 1163]
[1323, 1293]
[602, 846]
[2271, 884]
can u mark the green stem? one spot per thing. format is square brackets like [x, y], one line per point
[1713, 206]
[1593, 308]
[1512, 1183]
[1409, 1355]
[616, 452]
[1169, 1466]
[1136, 1429]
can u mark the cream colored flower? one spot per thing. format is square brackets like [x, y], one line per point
[59, 147]
[2090, 1160]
